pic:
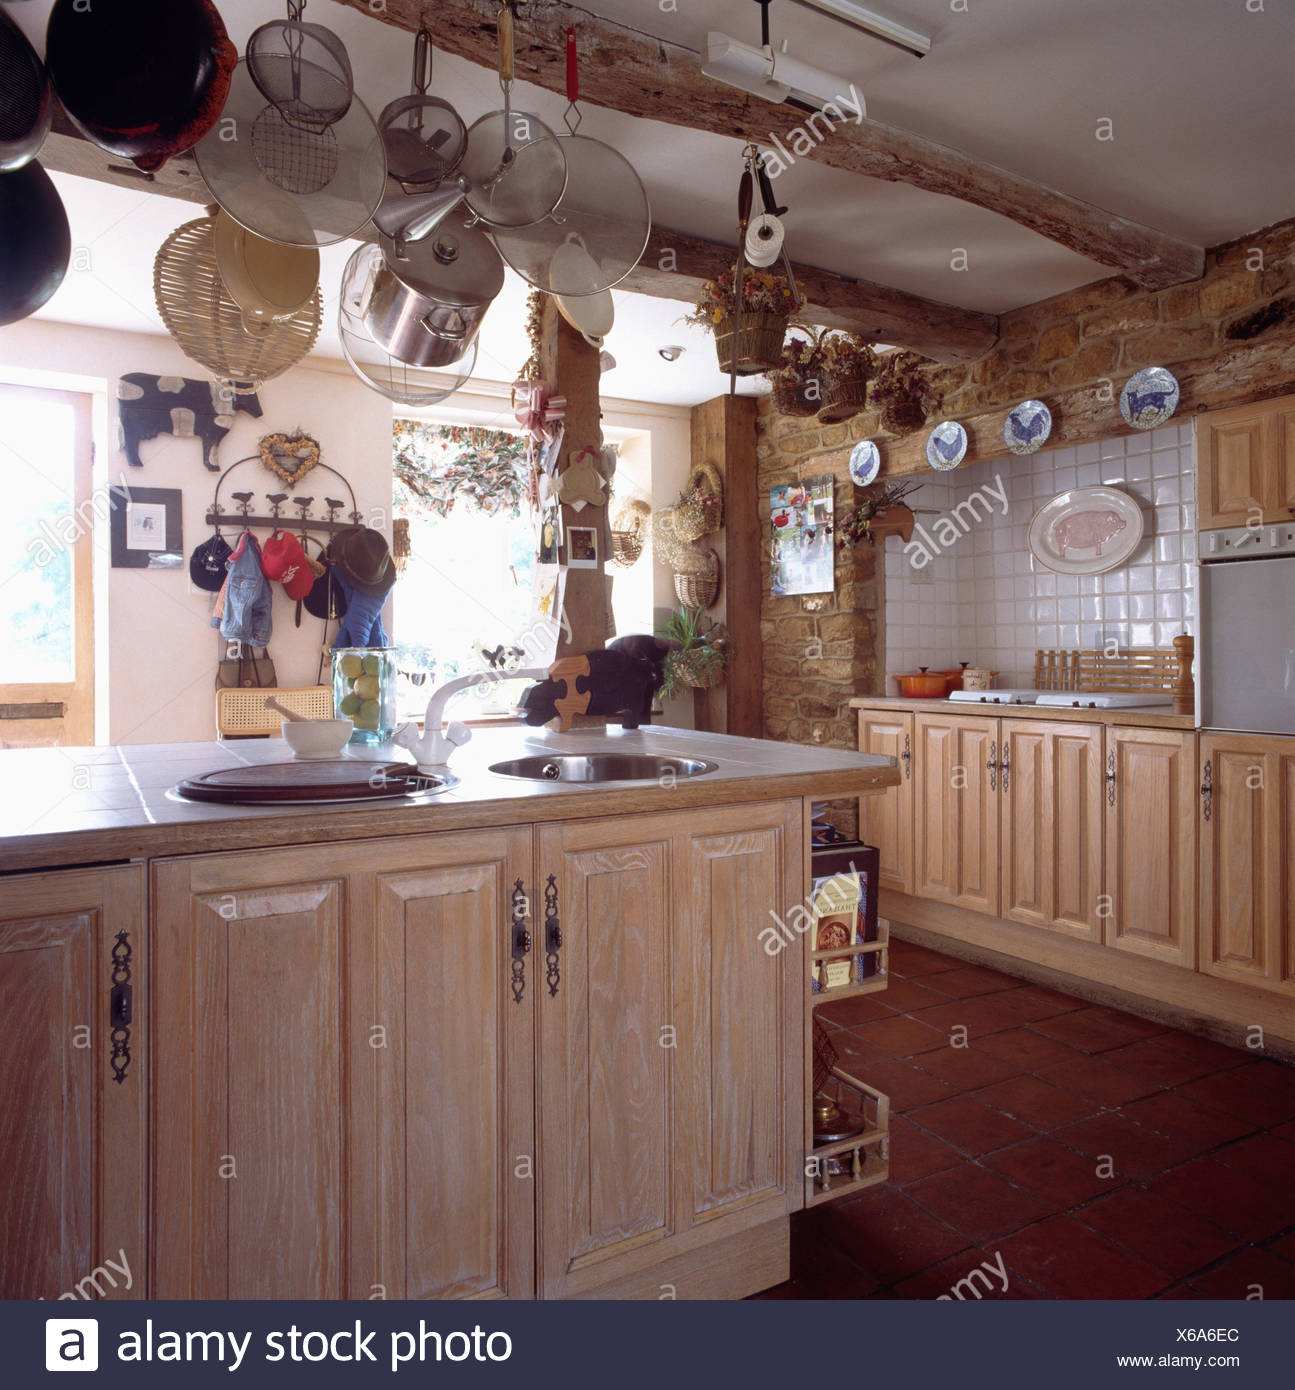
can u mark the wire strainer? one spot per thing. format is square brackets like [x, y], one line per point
[424, 136]
[301, 69]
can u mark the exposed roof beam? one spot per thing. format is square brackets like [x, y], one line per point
[673, 267]
[642, 76]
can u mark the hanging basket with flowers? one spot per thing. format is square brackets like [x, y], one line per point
[903, 393]
[756, 335]
[848, 362]
[799, 382]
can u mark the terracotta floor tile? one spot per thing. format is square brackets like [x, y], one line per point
[1090, 1030]
[901, 1036]
[968, 1277]
[915, 1154]
[1058, 1174]
[969, 980]
[1149, 1060]
[914, 962]
[1068, 1260]
[1063, 1003]
[966, 1068]
[1096, 1079]
[910, 997]
[1037, 1103]
[1173, 1113]
[1206, 1049]
[906, 1085]
[1141, 1027]
[822, 1270]
[889, 1235]
[1134, 1151]
[862, 1008]
[857, 1054]
[1263, 1157]
[1263, 1092]
[1157, 1231]
[1286, 1132]
[1247, 1274]
[1285, 1247]
[968, 1125]
[980, 1204]
[1027, 1050]
[988, 1013]
[1229, 1198]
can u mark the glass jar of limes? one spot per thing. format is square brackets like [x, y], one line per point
[364, 691]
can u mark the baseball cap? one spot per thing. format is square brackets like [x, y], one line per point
[282, 558]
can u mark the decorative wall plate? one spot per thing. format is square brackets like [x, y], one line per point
[865, 463]
[946, 445]
[1027, 427]
[1087, 530]
[1149, 398]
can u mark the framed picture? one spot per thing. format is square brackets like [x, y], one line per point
[144, 528]
[802, 548]
[582, 547]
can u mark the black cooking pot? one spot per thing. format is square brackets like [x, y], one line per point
[35, 241]
[25, 106]
[143, 79]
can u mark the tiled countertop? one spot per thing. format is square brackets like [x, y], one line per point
[62, 806]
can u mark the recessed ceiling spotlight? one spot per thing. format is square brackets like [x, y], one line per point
[672, 352]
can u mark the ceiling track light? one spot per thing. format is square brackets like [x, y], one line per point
[878, 25]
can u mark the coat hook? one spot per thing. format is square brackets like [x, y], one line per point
[244, 500]
[276, 500]
[333, 504]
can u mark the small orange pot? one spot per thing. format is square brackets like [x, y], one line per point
[924, 685]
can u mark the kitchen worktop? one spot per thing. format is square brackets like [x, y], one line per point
[1146, 717]
[64, 806]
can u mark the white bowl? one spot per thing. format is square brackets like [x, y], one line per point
[317, 738]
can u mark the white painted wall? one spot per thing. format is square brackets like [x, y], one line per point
[161, 652]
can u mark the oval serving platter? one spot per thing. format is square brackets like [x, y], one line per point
[1086, 530]
[865, 463]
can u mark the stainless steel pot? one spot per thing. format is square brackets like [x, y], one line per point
[427, 299]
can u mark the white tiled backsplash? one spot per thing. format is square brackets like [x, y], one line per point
[988, 601]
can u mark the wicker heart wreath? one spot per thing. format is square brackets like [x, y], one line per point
[279, 451]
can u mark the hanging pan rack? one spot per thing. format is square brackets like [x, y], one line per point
[303, 520]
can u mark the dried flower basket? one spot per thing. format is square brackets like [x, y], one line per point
[792, 396]
[903, 417]
[846, 395]
[697, 583]
[629, 532]
[757, 342]
[700, 510]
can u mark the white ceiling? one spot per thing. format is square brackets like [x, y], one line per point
[1198, 93]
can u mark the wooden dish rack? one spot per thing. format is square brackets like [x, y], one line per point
[1136, 671]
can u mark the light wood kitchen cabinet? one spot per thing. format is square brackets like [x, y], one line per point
[1245, 462]
[74, 1082]
[1050, 779]
[344, 1075]
[670, 1063]
[1247, 916]
[956, 837]
[1151, 809]
[886, 818]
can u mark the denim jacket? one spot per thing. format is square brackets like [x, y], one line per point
[247, 596]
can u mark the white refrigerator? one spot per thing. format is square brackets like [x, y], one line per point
[1246, 671]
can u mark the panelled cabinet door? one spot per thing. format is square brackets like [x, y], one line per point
[72, 1143]
[886, 818]
[955, 768]
[1050, 780]
[344, 1075]
[1151, 799]
[1247, 921]
[1284, 436]
[1235, 465]
[670, 1040]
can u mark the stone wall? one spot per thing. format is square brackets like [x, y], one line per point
[1229, 337]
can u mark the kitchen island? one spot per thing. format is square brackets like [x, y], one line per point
[520, 1039]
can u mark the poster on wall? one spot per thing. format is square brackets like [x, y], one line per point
[144, 528]
[802, 551]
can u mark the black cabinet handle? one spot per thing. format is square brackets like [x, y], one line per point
[1207, 790]
[1005, 766]
[992, 765]
[908, 758]
[1110, 778]
[552, 937]
[121, 1008]
[521, 941]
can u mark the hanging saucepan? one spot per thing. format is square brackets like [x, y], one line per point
[427, 300]
[35, 241]
[514, 164]
[598, 231]
[25, 108]
[424, 137]
[143, 79]
[302, 69]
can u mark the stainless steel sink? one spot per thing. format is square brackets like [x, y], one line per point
[603, 767]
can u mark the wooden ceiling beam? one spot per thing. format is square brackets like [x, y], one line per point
[642, 76]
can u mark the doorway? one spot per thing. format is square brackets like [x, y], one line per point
[46, 549]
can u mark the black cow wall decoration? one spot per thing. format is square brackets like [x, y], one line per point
[151, 405]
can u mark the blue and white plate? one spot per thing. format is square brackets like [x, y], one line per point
[865, 463]
[1149, 398]
[1027, 427]
[946, 446]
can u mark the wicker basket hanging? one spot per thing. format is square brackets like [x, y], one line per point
[697, 584]
[903, 417]
[629, 532]
[700, 509]
[801, 396]
[209, 326]
[757, 342]
[846, 394]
